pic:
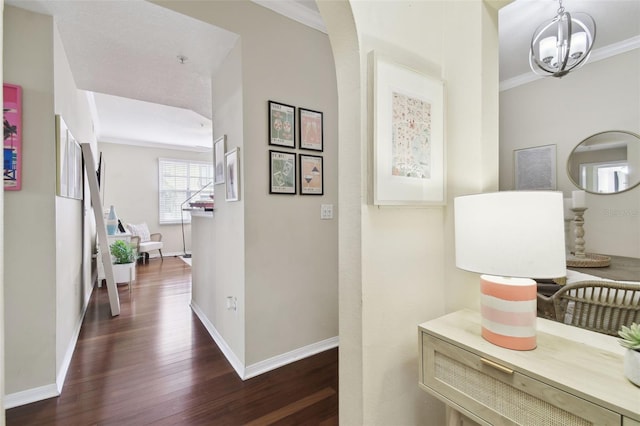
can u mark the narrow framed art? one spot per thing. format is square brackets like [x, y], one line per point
[69, 176]
[311, 175]
[12, 123]
[282, 172]
[310, 129]
[282, 124]
[232, 175]
[535, 168]
[409, 151]
[218, 159]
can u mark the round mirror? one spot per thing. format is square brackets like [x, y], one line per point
[606, 163]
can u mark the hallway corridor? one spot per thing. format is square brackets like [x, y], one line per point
[156, 364]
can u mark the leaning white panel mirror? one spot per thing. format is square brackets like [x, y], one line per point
[606, 163]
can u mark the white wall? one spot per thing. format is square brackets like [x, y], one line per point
[601, 96]
[30, 214]
[130, 182]
[290, 259]
[397, 268]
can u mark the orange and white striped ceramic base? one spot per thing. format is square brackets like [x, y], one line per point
[508, 310]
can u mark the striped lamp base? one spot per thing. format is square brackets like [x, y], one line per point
[508, 310]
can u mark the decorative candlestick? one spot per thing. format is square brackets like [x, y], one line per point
[578, 230]
[580, 259]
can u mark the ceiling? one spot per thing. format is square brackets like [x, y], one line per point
[617, 30]
[126, 54]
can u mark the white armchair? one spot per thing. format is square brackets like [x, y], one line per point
[144, 241]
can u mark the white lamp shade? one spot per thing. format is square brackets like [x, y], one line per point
[548, 48]
[511, 234]
[578, 44]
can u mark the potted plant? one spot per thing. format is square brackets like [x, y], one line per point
[630, 339]
[123, 257]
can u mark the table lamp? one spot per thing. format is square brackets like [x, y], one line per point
[510, 237]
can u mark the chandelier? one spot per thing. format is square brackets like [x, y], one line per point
[562, 44]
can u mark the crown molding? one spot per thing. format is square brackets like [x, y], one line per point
[152, 144]
[596, 55]
[296, 11]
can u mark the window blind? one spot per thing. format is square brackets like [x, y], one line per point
[179, 180]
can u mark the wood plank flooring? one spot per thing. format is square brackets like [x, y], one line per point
[156, 364]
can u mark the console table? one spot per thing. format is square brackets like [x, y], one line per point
[573, 377]
[621, 269]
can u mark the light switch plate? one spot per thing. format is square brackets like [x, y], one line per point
[326, 211]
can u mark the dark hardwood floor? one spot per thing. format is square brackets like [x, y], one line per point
[156, 364]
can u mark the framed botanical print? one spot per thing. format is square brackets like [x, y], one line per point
[310, 129]
[282, 124]
[409, 149]
[282, 172]
[311, 175]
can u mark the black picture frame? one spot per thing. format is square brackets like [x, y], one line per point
[282, 172]
[311, 175]
[310, 129]
[282, 124]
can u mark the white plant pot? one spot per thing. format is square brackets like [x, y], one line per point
[121, 272]
[632, 366]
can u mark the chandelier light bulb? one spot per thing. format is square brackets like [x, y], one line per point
[562, 44]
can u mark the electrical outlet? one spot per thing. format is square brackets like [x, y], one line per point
[232, 303]
[326, 211]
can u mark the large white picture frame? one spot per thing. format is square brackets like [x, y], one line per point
[409, 151]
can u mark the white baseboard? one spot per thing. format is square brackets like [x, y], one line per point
[66, 362]
[235, 362]
[170, 254]
[30, 395]
[290, 357]
[52, 390]
[261, 367]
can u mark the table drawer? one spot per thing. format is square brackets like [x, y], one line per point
[501, 396]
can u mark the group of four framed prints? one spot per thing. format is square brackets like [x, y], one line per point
[283, 174]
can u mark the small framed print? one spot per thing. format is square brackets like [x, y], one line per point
[535, 168]
[218, 160]
[311, 175]
[282, 172]
[310, 130]
[282, 124]
[232, 178]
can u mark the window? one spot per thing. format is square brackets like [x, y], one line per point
[179, 180]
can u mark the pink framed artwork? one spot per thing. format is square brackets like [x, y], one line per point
[12, 123]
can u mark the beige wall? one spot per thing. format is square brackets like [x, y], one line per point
[228, 239]
[2, 368]
[131, 186]
[74, 221]
[396, 264]
[290, 269]
[601, 96]
[30, 214]
[41, 335]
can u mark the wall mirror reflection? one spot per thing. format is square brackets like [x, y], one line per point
[606, 163]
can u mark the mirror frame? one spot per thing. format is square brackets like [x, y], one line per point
[634, 185]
